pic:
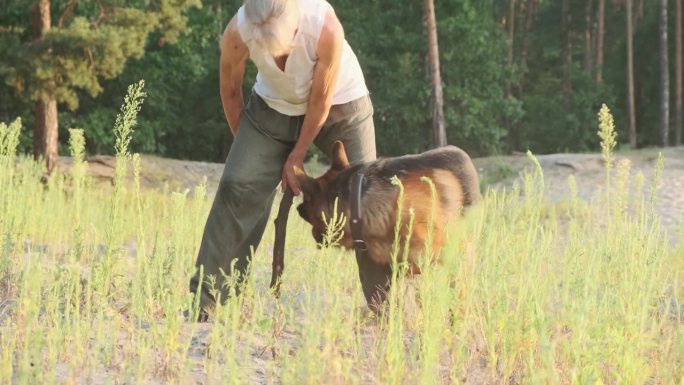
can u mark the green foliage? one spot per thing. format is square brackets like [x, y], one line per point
[183, 117]
[123, 128]
[78, 171]
[334, 227]
[472, 53]
[93, 59]
[547, 124]
[526, 291]
[78, 55]
[646, 72]
[553, 121]
[88, 42]
[392, 50]
[607, 134]
[9, 139]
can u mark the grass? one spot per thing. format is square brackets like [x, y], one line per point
[93, 282]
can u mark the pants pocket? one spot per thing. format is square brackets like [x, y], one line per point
[272, 123]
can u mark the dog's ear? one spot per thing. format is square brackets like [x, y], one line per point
[339, 157]
[307, 183]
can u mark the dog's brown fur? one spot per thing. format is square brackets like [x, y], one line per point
[450, 169]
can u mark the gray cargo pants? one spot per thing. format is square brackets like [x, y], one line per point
[247, 188]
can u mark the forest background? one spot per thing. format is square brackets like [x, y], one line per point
[516, 74]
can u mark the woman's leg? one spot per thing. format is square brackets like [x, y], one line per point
[243, 200]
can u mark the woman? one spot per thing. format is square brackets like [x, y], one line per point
[309, 89]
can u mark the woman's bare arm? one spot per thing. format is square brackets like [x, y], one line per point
[234, 55]
[327, 67]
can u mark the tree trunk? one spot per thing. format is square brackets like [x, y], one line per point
[438, 129]
[631, 117]
[588, 53]
[678, 73]
[45, 131]
[566, 20]
[599, 40]
[510, 26]
[664, 77]
[511, 127]
[530, 6]
[219, 19]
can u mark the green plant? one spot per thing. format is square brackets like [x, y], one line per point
[527, 290]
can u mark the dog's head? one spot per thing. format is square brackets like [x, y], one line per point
[316, 200]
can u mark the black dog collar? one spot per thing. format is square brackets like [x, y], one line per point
[356, 224]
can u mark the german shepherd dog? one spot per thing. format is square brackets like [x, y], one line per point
[449, 168]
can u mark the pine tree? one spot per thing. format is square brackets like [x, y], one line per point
[631, 108]
[679, 113]
[438, 129]
[600, 35]
[90, 41]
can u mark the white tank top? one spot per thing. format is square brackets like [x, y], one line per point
[288, 91]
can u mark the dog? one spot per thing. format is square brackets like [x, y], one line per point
[449, 169]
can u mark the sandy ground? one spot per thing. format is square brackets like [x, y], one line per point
[589, 172]
[495, 172]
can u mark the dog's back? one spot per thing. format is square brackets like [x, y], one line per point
[449, 158]
[451, 172]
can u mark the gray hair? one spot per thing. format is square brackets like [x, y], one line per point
[273, 24]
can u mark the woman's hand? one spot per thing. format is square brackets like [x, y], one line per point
[289, 179]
